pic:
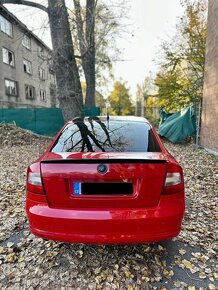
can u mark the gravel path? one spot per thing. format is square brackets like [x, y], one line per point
[187, 262]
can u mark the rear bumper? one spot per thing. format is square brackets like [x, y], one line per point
[106, 226]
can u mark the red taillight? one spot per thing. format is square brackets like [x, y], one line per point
[174, 181]
[34, 181]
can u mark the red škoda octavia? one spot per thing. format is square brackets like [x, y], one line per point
[106, 180]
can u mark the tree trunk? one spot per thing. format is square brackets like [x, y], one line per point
[67, 75]
[89, 58]
[86, 39]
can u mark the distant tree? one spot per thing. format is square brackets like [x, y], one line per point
[144, 90]
[120, 100]
[180, 77]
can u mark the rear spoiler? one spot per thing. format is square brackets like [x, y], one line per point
[106, 160]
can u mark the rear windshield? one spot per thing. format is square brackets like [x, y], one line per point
[95, 135]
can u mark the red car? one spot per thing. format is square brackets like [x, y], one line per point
[106, 180]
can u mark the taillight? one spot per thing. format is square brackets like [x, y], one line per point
[174, 181]
[34, 181]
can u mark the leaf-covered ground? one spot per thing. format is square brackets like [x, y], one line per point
[27, 262]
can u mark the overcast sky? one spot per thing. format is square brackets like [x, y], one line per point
[152, 21]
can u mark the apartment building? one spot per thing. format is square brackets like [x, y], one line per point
[27, 79]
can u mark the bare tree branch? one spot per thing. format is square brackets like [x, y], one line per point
[79, 25]
[27, 3]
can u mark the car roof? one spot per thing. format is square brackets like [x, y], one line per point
[121, 118]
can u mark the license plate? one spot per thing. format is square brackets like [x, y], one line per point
[102, 188]
[77, 188]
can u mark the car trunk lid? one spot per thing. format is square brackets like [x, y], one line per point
[73, 180]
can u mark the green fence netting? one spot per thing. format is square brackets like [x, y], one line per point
[179, 126]
[43, 121]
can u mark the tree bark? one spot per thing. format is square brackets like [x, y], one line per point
[90, 56]
[68, 81]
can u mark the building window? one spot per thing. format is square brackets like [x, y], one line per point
[41, 53]
[8, 56]
[52, 79]
[6, 26]
[53, 97]
[43, 95]
[27, 66]
[51, 67]
[26, 41]
[30, 92]
[11, 88]
[41, 74]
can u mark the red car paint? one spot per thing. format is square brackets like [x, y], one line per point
[153, 211]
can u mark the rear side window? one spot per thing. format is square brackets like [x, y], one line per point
[95, 135]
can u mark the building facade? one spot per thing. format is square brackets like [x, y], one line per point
[26, 76]
[209, 117]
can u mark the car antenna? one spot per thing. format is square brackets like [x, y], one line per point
[108, 115]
